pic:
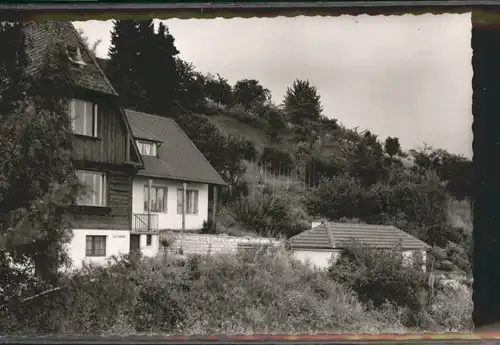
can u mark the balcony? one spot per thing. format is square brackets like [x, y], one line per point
[144, 222]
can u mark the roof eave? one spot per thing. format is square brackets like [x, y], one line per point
[138, 137]
[145, 173]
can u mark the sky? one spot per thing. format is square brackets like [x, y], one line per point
[404, 76]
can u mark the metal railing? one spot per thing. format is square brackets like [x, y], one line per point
[144, 222]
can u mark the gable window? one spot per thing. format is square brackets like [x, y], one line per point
[95, 187]
[75, 55]
[95, 246]
[83, 117]
[157, 199]
[146, 148]
[191, 201]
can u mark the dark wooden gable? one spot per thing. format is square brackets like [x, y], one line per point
[115, 144]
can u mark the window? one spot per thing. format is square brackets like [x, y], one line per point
[75, 55]
[157, 199]
[95, 246]
[94, 193]
[146, 148]
[191, 201]
[83, 117]
[418, 257]
[149, 240]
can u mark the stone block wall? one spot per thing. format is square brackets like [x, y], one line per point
[210, 244]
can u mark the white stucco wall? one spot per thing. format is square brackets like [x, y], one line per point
[320, 259]
[170, 219]
[117, 242]
[408, 257]
[151, 250]
[316, 258]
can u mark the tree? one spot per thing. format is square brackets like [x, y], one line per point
[190, 93]
[218, 90]
[392, 147]
[158, 67]
[426, 158]
[367, 160]
[457, 170]
[121, 68]
[142, 65]
[37, 179]
[276, 120]
[302, 102]
[249, 93]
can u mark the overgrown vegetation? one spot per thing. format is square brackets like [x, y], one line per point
[251, 293]
[305, 165]
[37, 180]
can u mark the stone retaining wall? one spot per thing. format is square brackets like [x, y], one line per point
[211, 244]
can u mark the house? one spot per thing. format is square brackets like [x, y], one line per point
[325, 241]
[174, 170]
[105, 154]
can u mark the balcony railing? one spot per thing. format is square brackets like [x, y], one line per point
[144, 222]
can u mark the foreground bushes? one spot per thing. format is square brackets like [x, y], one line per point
[264, 294]
[382, 277]
[251, 293]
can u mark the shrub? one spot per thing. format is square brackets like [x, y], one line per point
[451, 308]
[265, 212]
[220, 294]
[208, 227]
[380, 276]
[276, 160]
[242, 294]
[338, 197]
[239, 112]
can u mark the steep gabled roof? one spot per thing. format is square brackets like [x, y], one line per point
[42, 38]
[335, 235]
[178, 157]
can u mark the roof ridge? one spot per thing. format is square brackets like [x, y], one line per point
[363, 225]
[151, 115]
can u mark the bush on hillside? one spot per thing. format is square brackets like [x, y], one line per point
[453, 258]
[414, 203]
[276, 120]
[267, 213]
[338, 197]
[277, 161]
[239, 112]
[317, 169]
